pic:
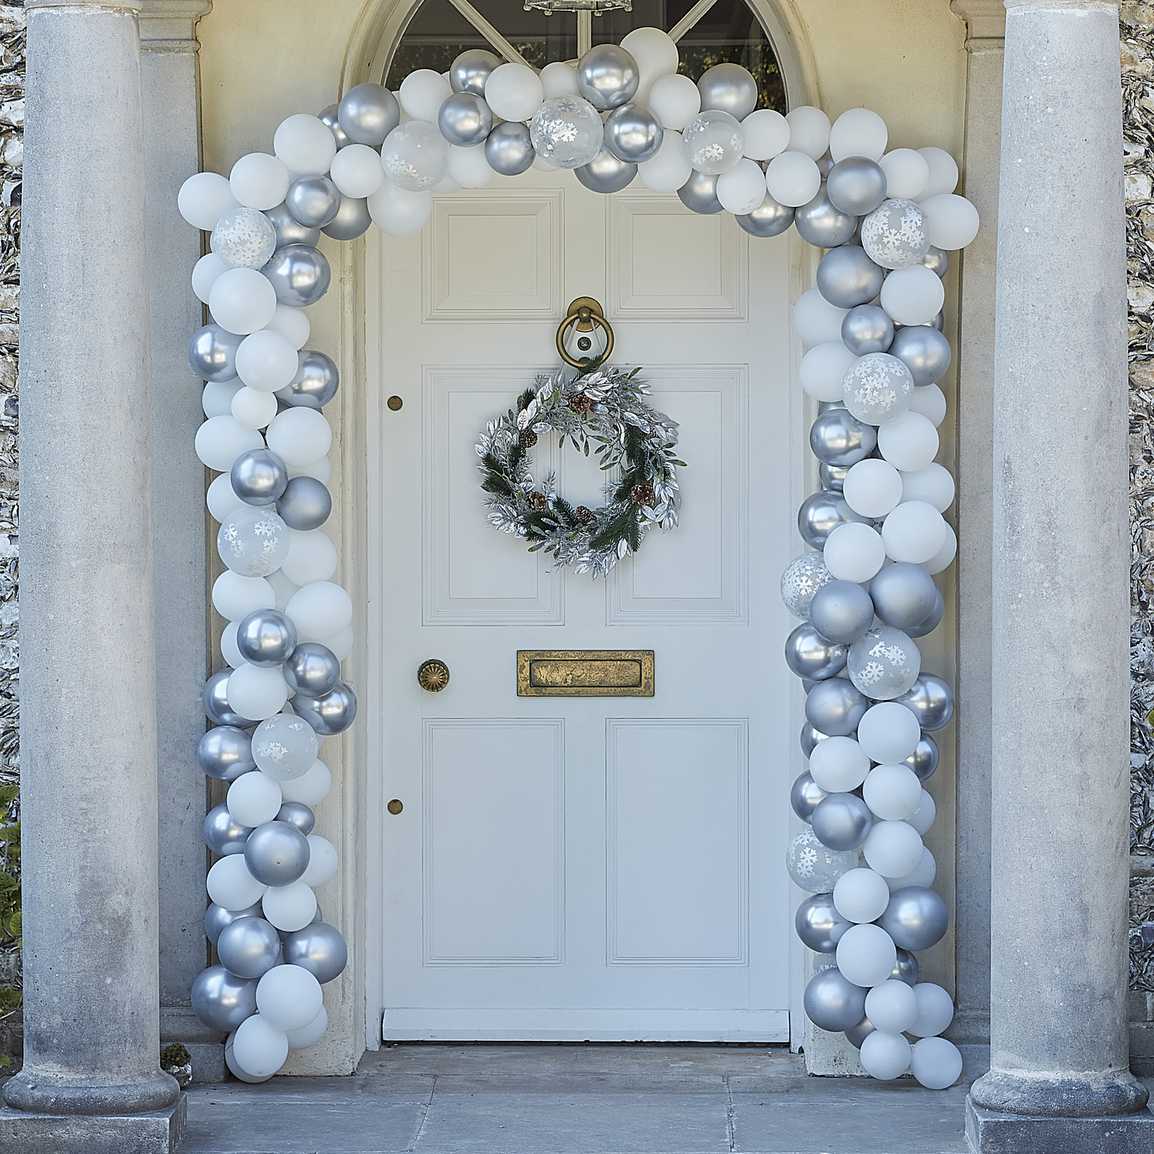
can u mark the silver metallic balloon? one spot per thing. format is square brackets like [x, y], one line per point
[212, 353]
[258, 477]
[313, 201]
[300, 274]
[225, 752]
[855, 1035]
[249, 947]
[835, 707]
[932, 701]
[352, 219]
[471, 69]
[819, 925]
[867, 329]
[509, 149]
[768, 219]
[298, 815]
[730, 88]
[832, 477]
[633, 133]
[312, 669]
[856, 185]
[819, 223]
[916, 918]
[289, 230]
[809, 654]
[217, 917]
[925, 351]
[801, 579]
[831, 1002]
[368, 113]
[820, 514]
[221, 833]
[699, 193]
[266, 637]
[904, 595]
[906, 968]
[329, 116]
[937, 260]
[221, 1000]
[841, 611]
[804, 795]
[465, 119]
[930, 623]
[276, 853]
[316, 382]
[841, 821]
[605, 173]
[607, 76]
[847, 277]
[884, 663]
[809, 738]
[318, 948]
[925, 757]
[331, 713]
[839, 438]
[939, 322]
[215, 700]
[305, 504]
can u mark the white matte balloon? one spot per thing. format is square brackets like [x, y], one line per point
[258, 1047]
[312, 556]
[513, 91]
[266, 361]
[204, 274]
[888, 732]
[930, 401]
[205, 197]
[253, 408]
[669, 169]
[913, 296]
[291, 323]
[823, 367]
[945, 555]
[808, 130]
[936, 1063]
[944, 172]
[289, 997]
[854, 552]
[861, 895]
[310, 1034]
[892, 792]
[322, 865]
[793, 178]
[559, 79]
[657, 57]
[934, 484]
[305, 145]
[299, 436]
[885, 1056]
[858, 132]
[922, 819]
[913, 532]
[866, 954]
[220, 440]
[890, 1006]
[319, 610]
[289, 908]
[230, 884]
[815, 320]
[422, 93]
[922, 874]
[675, 100]
[935, 1010]
[253, 798]
[838, 764]
[235, 596]
[892, 848]
[952, 221]
[398, 211]
[357, 171]
[469, 167]
[256, 693]
[872, 487]
[741, 189]
[242, 300]
[908, 442]
[228, 649]
[766, 134]
[259, 180]
[312, 788]
[907, 173]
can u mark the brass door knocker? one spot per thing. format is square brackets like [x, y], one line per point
[584, 314]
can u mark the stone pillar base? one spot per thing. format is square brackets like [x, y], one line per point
[988, 1132]
[154, 1133]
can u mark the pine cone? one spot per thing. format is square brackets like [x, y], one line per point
[642, 494]
[538, 501]
[584, 514]
[527, 439]
[580, 403]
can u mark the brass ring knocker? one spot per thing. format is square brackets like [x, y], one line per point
[585, 314]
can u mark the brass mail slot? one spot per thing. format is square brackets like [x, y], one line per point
[584, 672]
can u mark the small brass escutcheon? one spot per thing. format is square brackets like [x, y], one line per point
[433, 675]
[394, 403]
[585, 673]
[395, 806]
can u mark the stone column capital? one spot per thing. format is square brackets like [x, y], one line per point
[170, 25]
[985, 19]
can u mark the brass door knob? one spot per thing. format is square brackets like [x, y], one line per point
[433, 675]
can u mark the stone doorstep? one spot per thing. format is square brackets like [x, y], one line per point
[991, 1133]
[153, 1133]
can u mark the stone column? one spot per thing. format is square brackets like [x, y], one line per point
[91, 1081]
[1059, 1077]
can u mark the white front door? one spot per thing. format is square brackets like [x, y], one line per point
[581, 868]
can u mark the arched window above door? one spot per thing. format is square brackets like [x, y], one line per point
[706, 34]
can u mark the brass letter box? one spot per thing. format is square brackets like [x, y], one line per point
[584, 672]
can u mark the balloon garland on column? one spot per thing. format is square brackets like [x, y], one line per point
[875, 530]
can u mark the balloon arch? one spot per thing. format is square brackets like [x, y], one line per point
[875, 531]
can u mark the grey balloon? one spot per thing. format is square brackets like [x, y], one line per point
[368, 113]
[331, 713]
[804, 795]
[841, 611]
[841, 821]
[312, 669]
[305, 504]
[258, 477]
[837, 437]
[319, 948]
[730, 88]
[930, 623]
[835, 707]
[212, 353]
[855, 1035]
[300, 274]
[289, 230]
[298, 815]
[225, 752]
[937, 260]
[471, 69]
[605, 173]
[916, 918]
[216, 706]
[607, 76]
[906, 968]
[818, 923]
[932, 701]
[313, 201]
[768, 219]
[217, 917]
[315, 383]
[833, 1003]
[221, 833]
[509, 149]
[903, 594]
[329, 116]
[856, 185]
[820, 514]
[352, 219]
[925, 757]
[847, 277]
[809, 654]
[465, 119]
[867, 329]
[249, 947]
[809, 738]
[819, 223]
[266, 637]
[633, 133]
[832, 477]
[925, 351]
[221, 1000]
[276, 853]
[699, 194]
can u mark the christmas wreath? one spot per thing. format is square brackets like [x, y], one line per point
[604, 413]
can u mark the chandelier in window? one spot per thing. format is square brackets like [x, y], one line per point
[597, 7]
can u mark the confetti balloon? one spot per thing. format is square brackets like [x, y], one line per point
[802, 578]
[714, 142]
[567, 131]
[894, 235]
[813, 866]
[877, 388]
[884, 663]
